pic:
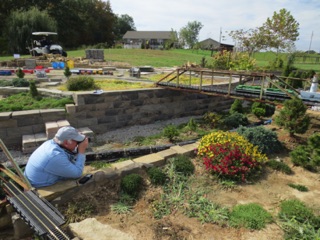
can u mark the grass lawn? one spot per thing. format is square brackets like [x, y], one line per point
[172, 58]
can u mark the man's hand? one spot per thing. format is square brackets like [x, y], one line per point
[83, 145]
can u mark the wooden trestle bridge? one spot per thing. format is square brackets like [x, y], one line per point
[225, 83]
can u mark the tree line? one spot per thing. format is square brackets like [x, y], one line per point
[77, 22]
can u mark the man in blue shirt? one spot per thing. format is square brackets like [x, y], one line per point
[60, 158]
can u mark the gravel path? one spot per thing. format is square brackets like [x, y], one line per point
[126, 134]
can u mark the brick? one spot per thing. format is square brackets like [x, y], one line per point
[190, 147]
[29, 141]
[40, 138]
[51, 129]
[5, 115]
[180, 150]
[166, 154]
[9, 123]
[121, 165]
[86, 131]
[63, 123]
[71, 108]
[25, 114]
[153, 159]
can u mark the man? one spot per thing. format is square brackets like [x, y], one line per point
[60, 158]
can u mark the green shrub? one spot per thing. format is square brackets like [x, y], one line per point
[300, 156]
[192, 125]
[251, 216]
[296, 209]
[33, 89]
[266, 140]
[131, 184]
[212, 119]
[236, 107]
[81, 83]
[279, 166]
[170, 132]
[295, 230]
[262, 109]
[67, 73]
[235, 120]
[299, 187]
[259, 112]
[20, 82]
[20, 73]
[157, 176]
[5, 83]
[183, 164]
[293, 117]
[307, 156]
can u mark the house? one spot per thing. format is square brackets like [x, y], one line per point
[210, 44]
[149, 39]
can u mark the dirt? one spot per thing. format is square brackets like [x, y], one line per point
[269, 191]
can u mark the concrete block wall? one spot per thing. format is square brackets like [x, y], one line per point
[116, 109]
[13, 125]
[110, 110]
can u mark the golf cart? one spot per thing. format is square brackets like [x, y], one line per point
[43, 45]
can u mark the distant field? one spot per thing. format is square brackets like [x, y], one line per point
[170, 58]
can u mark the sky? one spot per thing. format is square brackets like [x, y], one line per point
[227, 15]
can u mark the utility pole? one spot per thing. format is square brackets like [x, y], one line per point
[310, 42]
[220, 39]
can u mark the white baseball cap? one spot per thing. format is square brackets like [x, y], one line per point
[67, 133]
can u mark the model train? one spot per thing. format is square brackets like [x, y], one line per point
[304, 95]
[265, 91]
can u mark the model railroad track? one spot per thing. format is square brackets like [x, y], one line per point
[223, 90]
[37, 212]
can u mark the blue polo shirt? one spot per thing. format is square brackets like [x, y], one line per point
[50, 163]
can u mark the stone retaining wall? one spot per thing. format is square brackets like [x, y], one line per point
[110, 110]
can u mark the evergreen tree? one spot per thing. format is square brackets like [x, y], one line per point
[292, 117]
[67, 73]
[236, 107]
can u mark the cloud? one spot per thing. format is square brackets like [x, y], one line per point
[228, 14]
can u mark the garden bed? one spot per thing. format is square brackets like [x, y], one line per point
[268, 191]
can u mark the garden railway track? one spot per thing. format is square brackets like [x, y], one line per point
[171, 81]
[36, 211]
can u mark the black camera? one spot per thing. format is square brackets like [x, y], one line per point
[89, 140]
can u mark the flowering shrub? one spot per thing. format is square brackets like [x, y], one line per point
[232, 61]
[230, 155]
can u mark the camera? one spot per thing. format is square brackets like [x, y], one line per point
[89, 140]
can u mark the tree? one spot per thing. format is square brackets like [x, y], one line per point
[173, 41]
[236, 107]
[189, 34]
[123, 24]
[67, 73]
[21, 24]
[292, 117]
[249, 40]
[281, 31]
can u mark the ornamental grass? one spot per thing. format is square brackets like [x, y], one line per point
[230, 156]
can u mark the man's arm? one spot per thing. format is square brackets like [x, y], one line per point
[61, 166]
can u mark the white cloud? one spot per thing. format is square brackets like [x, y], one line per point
[227, 14]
